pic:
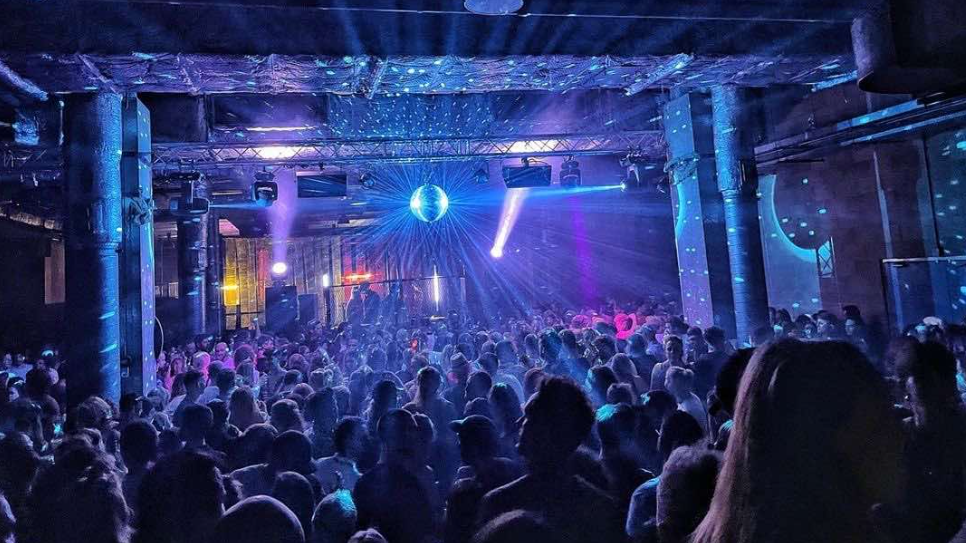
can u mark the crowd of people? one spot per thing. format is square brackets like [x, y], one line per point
[622, 424]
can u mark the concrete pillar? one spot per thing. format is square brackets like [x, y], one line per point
[699, 227]
[215, 315]
[736, 124]
[192, 267]
[92, 130]
[138, 369]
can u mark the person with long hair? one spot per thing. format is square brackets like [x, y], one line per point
[626, 372]
[244, 410]
[505, 405]
[322, 412]
[813, 449]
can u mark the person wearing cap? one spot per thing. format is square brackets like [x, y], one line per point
[478, 444]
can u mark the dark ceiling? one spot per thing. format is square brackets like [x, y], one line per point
[428, 27]
[369, 51]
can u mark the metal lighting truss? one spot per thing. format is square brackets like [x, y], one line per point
[294, 153]
[201, 156]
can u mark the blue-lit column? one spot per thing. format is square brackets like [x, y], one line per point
[92, 143]
[192, 267]
[138, 365]
[699, 228]
[215, 314]
[736, 124]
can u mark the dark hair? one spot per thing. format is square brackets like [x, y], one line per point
[729, 377]
[291, 451]
[714, 335]
[295, 492]
[78, 498]
[192, 377]
[685, 491]
[786, 464]
[678, 430]
[518, 527]
[139, 443]
[489, 363]
[932, 367]
[559, 399]
[37, 382]
[505, 405]
[225, 380]
[481, 380]
[343, 432]
[614, 423]
[253, 446]
[620, 393]
[196, 422]
[335, 518]
[601, 378]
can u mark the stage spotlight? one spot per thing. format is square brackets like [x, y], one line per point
[187, 204]
[429, 203]
[367, 180]
[279, 269]
[496, 252]
[570, 173]
[264, 189]
[481, 177]
[326, 280]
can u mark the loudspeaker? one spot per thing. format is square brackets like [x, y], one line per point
[281, 307]
[308, 308]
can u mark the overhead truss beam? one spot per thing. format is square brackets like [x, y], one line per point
[206, 156]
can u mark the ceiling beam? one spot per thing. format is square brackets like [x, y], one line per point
[19, 90]
[295, 27]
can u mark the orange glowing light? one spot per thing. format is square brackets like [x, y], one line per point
[358, 277]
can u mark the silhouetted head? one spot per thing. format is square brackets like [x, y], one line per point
[556, 420]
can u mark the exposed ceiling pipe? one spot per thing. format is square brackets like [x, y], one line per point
[23, 89]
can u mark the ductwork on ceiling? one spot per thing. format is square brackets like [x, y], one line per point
[364, 75]
[911, 47]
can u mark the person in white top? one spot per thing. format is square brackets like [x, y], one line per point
[680, 383]
[339, 470]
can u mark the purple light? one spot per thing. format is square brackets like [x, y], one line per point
[279, 268]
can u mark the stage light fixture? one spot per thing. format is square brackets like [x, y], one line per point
[187, 204]
[326, 280]
[367, 180]
[279, 269]
[496, 252]
[264, 189]
[570, 173]
[533, 173]
[481, 177]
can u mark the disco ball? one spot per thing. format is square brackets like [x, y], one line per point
[429, 203]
